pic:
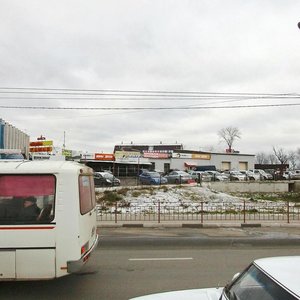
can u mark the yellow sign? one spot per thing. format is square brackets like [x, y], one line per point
[201, 156]
[67, 153]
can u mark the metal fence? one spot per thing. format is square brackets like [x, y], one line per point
[201, 212]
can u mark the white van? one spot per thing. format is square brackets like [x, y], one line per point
[47, 218]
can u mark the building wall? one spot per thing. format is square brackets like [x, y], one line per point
[236, 162]
[13, 138]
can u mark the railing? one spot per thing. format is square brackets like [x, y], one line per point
[201, 212]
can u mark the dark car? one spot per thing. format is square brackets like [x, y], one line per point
[102, 179]
[152, 178]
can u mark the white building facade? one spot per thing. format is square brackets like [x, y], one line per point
[185, 159]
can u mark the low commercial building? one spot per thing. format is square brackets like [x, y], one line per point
[188, 159]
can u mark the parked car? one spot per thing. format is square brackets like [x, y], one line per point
[273, 278]
[152, 178]
[250, 175]
[102, 179]
[291, 175]
[297, 174]
[200, 175]
[217, 176]
[178, 177]
[235, 175]
[263, 174]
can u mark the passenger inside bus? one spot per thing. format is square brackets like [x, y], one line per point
[30, 210]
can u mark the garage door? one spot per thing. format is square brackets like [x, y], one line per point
[226, 165]
[243, 165]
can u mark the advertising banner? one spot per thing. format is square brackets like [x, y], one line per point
[156, 155]
[205, 156]
[66, 153]
[104, 157]
[127, 156]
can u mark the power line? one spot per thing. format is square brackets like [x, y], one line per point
[141, 91]
[151, 108]
[129, 93]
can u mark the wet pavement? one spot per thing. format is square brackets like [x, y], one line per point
[273, 233]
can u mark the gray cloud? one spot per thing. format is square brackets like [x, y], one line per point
[216, 46]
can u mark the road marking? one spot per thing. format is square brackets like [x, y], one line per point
[160, 258]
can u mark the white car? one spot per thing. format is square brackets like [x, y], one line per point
[217, 176]
[235, 175]
[250, 175]
[263, 174]
[200, 175]
[273, 278]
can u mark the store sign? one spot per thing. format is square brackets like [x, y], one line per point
[66, 153]
[156, 155]
[88, 156]
[104, 157]
[201, 156]
[204, 156]
[127, 156]
[41, 143]
[41, 146]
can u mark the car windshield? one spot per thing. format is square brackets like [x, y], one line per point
[108, 175]
[253, 284]
[153, 174]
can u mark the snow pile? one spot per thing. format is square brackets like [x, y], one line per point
[187, 199]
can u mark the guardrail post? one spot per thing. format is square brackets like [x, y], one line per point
[244, 211]
[288, 211]
[158, 212]
[202, 212]
[116, 212]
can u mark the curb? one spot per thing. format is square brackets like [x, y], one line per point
[196, 225]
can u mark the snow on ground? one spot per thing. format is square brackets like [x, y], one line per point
[188, 198]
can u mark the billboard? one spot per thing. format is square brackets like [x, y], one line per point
[156, 155]
[104, 156]
[204, 156]
[128, 156]
[41, 146]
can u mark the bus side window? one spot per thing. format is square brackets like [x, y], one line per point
[44, 216]
[2, 211]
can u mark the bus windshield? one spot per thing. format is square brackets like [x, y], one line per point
[31, 202]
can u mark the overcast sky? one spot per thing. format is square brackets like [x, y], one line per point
[232, 46]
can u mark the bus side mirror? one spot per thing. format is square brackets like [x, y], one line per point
[235, 276]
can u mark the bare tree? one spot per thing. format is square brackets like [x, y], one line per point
[281, 155]
[293, 159]
[272, 159]
[261, 158]
[229, 135]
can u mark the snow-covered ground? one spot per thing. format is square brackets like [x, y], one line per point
[188, 199]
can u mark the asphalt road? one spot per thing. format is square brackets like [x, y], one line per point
[132, 262]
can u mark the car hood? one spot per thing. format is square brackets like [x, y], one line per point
[196, 294]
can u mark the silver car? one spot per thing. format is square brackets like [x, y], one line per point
[178, 177]
[217, 176]
[200, 176]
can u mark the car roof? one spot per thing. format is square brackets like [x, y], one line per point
[284, 269]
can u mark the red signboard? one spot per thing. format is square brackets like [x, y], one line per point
[40, 149]
[104, 156]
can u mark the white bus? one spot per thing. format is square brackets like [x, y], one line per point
[47, 219]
